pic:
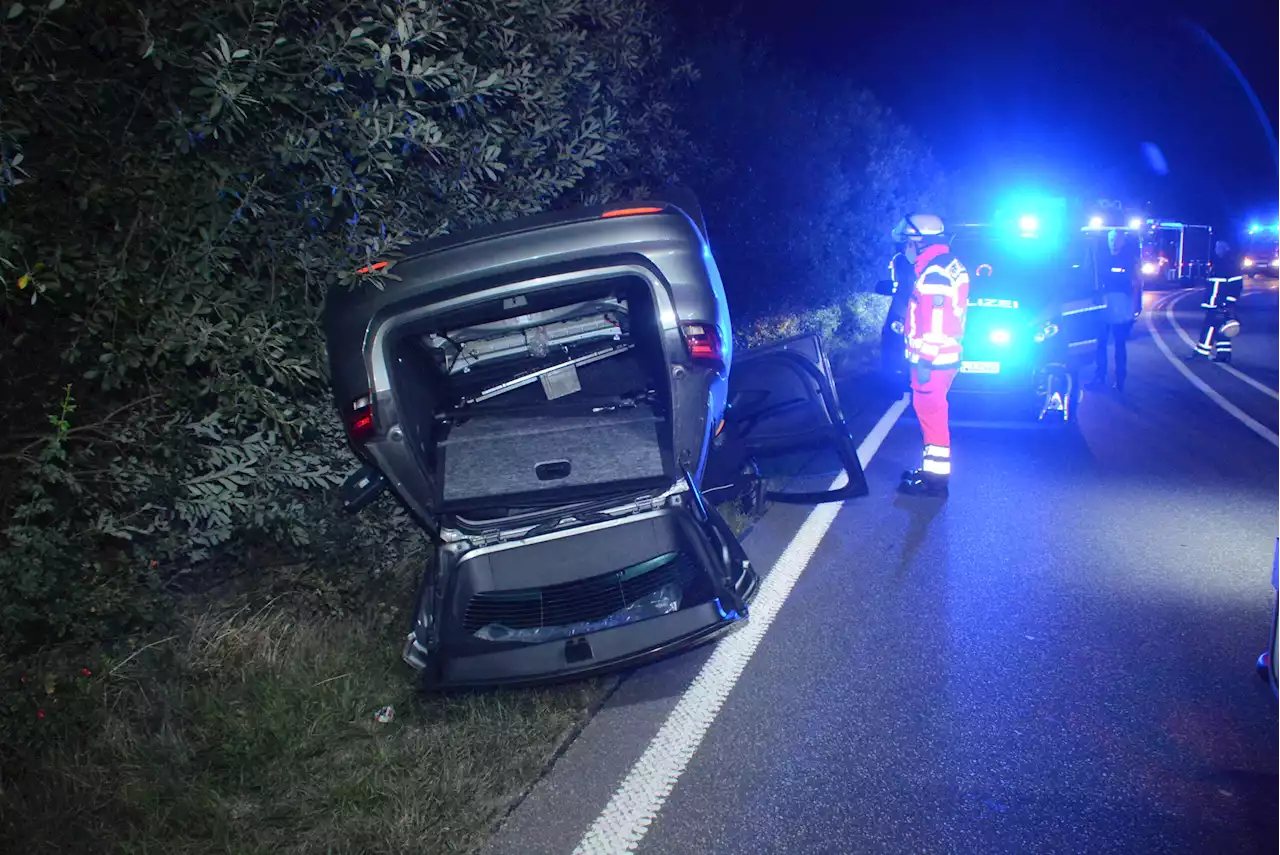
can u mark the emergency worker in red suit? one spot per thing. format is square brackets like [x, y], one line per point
[934, 332]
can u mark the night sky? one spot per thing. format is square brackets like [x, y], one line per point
[1058, 95]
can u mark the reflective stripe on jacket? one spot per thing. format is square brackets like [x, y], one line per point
[1223, 291]
[936, 314]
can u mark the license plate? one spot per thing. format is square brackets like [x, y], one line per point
[980, 367]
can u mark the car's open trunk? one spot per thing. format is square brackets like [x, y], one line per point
[537, 401]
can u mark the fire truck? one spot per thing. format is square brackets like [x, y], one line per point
[1261, 252]
[1173, 253]
[1178, 253]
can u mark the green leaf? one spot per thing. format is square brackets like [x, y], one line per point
[240, 53]
[55, 5]
[15, 10]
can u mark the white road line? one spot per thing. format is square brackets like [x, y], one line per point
[1230, 369]
[1243, 417]
[636, 802]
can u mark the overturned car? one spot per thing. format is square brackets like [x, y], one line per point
[541, 395]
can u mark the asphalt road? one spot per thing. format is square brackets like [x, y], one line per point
[1059, 658]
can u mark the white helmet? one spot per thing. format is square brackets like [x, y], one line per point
[915, 227]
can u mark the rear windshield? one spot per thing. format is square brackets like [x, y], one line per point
[1032, 273]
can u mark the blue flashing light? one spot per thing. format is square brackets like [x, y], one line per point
[1135, 223]
[1254, 229]
[1000, 337]
[1095, 222]
[1033, 222]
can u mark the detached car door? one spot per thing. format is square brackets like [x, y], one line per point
[783, 408]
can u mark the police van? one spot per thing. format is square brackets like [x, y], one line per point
[1034, 318]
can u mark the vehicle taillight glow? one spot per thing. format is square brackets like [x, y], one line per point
[629, 212]
[360, 419]
[704, 343]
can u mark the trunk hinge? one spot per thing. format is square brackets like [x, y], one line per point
[644, 504]
[489, 538]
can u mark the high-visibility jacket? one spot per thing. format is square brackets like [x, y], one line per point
[1223, 291]
[936, 313]
[1226, 282]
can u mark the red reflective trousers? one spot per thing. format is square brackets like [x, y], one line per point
[929, 399]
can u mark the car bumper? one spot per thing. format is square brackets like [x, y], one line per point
[580, 601]
[1011, 379]
[605, 650]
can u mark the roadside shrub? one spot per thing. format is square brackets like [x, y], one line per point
[850, 330]
[807, 176]
[179, 185]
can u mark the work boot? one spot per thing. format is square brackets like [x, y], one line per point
[916, 482]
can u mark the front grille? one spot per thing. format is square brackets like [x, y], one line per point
[586, 599]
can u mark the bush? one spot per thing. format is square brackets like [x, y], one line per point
[179, 185]
[850, 330]
[809, 176]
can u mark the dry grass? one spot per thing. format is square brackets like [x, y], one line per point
[253, 732]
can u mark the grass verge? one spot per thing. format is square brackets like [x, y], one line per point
[251, 729]
[254, 732]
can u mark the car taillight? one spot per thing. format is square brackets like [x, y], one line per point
[360, 419]
[629, 212]
[703, 341]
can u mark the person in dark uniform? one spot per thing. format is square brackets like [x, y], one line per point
[1119, 277]
[1225, 286]
[893, 348]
